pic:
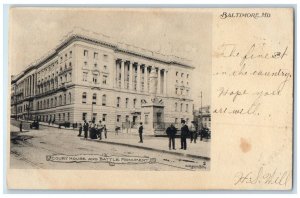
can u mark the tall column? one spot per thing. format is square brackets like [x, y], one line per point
[25, 87]
[30, 85]
[138, 87]
[165, 82]
[117, 67]
[158, 82]
[130, 75]
[146, 80]
[122, 74]
[26, 84]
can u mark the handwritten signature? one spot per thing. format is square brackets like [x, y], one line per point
[262, 176]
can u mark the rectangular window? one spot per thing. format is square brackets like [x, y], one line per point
[85, 53]
[70, 54]
[104, 79]
[64, 116]
[84, 76]
[83, 116]
[95, 78]
[146, 119]
[105, 57]
[118, 101]
[126, 103]
[95, 55]
[118, 118]
[68, 116]
[94, 117]
[94, 99]
[104, 117]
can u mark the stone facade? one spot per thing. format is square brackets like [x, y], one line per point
[87, 76]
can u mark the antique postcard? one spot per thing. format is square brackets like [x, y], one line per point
[144, 98]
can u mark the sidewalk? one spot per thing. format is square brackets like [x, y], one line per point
[200, 149]
[16, 129]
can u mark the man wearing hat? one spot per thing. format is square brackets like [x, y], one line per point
[184, 134]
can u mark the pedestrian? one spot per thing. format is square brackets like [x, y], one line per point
[184, 134]
[85, 129]
[105, 131]
[171, 132]
[193, 132]
[93, 133]
[21, 126]
[80, 130]
[141, 128]
[99, 130]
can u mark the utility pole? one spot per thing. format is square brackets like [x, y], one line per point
[201, 109]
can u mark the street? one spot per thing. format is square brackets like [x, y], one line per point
[30, 148]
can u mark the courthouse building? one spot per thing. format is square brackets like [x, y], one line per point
[89, 76]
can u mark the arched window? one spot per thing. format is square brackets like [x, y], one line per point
[134, 103]
[181, 107]
[94, 98]
[55, 101]
[176, 106]
[84, 97]
[104, 100]
[70, 98]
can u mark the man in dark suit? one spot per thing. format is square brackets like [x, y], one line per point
[85, 129]
[184, 134]
[141, 128]
[171, 132]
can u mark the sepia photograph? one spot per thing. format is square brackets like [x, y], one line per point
[150, 98]
[110, 89]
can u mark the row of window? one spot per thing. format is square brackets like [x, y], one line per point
[52, 118]
[48, 86]
[94, 100]
[95, 78]
[95, 55]
[181, 91]
[181, 107]
[182, 75]
[68, 55]
[52, 102]
[94, 117]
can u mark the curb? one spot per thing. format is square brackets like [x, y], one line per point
[148, 148]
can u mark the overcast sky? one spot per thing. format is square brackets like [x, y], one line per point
[186, 34]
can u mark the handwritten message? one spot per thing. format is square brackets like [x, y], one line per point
[261, 64]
